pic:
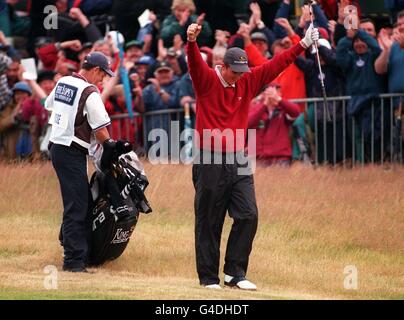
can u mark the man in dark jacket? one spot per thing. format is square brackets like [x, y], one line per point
[334, 86]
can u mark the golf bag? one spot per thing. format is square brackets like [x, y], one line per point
[118, 196]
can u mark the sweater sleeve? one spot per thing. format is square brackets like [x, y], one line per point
[272, 68]
[200, 73]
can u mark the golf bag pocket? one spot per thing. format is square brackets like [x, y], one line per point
[111, 229]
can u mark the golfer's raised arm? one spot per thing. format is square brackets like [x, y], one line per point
[271, 69]
[198, 69]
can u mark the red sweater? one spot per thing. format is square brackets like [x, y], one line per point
[219, 107]
[273, 135]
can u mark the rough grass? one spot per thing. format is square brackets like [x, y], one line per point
[312, 224]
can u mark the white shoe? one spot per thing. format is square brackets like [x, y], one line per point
[239, 282]
[213, 286]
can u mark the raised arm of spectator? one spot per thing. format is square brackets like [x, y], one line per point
[340, 31]
[48, 54]
[382, 62]
[320, 17]
[11, 52]
[109, 88]
[137, 93]
[38, 91]
[285, 25]
[256, 23]
[49, 100]
[170, 28]
[344, 57]
[255, 57]
[91, 30]
[283, 12]
[371, 42]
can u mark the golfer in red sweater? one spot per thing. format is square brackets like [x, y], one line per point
[223, 96]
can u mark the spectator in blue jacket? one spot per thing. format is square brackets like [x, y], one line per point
[161, 94]
[391, 60]
[356, 55]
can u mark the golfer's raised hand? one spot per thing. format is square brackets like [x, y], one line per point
[312, 35]
[193, 31]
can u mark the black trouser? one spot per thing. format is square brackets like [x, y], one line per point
[71, 168]
[219, 188]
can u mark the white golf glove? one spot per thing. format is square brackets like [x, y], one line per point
[310, 37]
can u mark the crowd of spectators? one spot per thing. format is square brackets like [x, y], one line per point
[362, 61]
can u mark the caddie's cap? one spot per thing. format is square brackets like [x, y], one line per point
[237, 59]
[98, 59]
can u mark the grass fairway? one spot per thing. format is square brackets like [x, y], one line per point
[312, 224]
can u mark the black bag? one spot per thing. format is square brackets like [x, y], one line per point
[118, 198]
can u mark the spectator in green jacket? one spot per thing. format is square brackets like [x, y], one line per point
[183, 14]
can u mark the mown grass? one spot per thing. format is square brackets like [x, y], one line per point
[312, 224]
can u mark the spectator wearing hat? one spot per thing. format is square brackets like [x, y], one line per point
[160, 94]
[272, 117]
[142, 66]
[260, 40]
[11, 118]
[134, 50]
[183, 14]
